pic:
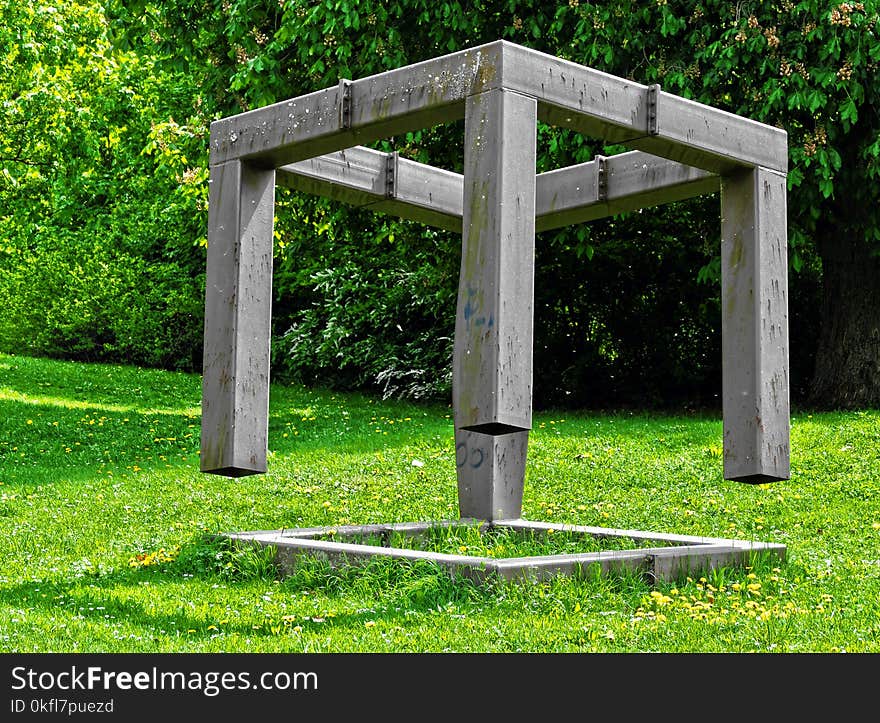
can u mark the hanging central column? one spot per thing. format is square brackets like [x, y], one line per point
[492, 357]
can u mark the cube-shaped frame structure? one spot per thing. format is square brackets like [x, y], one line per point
[315, 143]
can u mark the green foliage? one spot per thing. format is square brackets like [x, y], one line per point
[710, 51]
[219, 557]
[102, 193]
[366, 302]
[82, 302]
[106, 107]
[630, 304]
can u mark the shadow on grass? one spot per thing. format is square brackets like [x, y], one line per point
[395, 593]
[403, 589]
[67, 430]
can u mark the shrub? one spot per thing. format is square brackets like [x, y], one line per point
[90, 305]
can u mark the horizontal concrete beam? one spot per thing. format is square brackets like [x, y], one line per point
[633, 180]
[642, 117]
[358, 112]
[432, 92]
[615, 184]
[671, 557]
[366, 178]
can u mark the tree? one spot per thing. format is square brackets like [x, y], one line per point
[101, 251]
[808, 67]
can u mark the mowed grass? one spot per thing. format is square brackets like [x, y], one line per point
[107, 527]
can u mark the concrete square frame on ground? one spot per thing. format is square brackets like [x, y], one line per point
[315, 143]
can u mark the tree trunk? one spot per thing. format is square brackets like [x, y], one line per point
[847, 371]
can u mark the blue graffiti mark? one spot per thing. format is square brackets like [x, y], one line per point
[491, 321]
[469, 308]
[479, 462]
[468, 313]
[459, 460]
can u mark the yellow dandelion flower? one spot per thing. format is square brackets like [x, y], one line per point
[370, 624]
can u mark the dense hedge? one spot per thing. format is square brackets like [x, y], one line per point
[102, 194]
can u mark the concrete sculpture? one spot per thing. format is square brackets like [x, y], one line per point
[315, 143]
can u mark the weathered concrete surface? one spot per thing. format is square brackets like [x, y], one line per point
[754, 324]
[238, 308]
[500, 89]
[491, 470]
[669, 557]
[378, 106]
[359, 177]
[566, 196]
[492, 354]
[434, 91]
[630, 181]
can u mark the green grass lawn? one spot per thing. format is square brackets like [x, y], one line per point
[106, 525]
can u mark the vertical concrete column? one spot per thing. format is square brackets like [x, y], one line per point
[491, 471]
[238, 309]
[492, 356]
[754, 324]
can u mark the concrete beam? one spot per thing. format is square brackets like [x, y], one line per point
[669, 558]
[434, 92]
[615, 184]
[492, 353]
[359, 111]
[640, 116]
[238, 302]
[754, 325]
[567, 196]
[366, 178]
